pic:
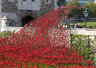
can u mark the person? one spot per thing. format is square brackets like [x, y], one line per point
[78, 25]
[72, 25]
[66, 26]
[63, 25]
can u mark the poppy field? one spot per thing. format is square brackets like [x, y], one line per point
[42, 44]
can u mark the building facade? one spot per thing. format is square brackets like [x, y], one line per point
[16, 13]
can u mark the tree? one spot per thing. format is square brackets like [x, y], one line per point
[73, 3]
[91, 8]
[61, 2]
[75, 12]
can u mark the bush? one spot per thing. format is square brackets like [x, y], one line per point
[6, 33]
[82, 44]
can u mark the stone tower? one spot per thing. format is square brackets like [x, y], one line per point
[16, 13]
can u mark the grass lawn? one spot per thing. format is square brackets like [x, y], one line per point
[88, 24]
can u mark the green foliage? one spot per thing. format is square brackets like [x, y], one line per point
[82, 44]
[91, 8]
[75, 12]
[89, 24]
[73, 3]
[6, 33]
[61, 2]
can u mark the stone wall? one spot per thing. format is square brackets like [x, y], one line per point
[16, 29]
[45, 8]
[11, 10]
[12, 19]
[8, 6]
[33, 13]
[29, 4]
[83, 31]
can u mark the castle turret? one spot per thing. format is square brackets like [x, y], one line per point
[4, 21]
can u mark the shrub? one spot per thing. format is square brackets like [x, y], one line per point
[82, 44]
[5, 34]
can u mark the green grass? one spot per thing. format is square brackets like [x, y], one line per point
[88, 24]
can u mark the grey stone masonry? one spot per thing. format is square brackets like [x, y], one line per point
[46, 7]
[8, 6]
[16, 10]
[34, 13]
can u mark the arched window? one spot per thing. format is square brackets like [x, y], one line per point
[47, 1]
